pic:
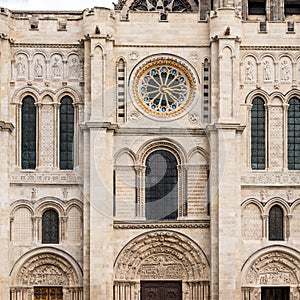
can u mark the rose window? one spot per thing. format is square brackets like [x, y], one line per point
[164, 87]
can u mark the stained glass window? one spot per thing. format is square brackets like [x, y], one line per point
[258, 155]
[164, 87]
[50, 227]
[161, 186]
[294, 134]
[276, 223]
[66, 134]
[28, 133]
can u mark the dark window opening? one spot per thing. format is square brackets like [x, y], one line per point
[161, 184]
[275, 293]
[50, 227]
[276, 223]
[66, 134]
[294, 134]
[256, 7]
[291, 7]
[28, 134]
[258, 134]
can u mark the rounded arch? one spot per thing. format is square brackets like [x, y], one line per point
[21, 93]
[49, 203]
[161, 144]
[277, 201]
[68, 91]
[272, 265]
[21, 203]
[204, 156]
[252, 201]
[62, 268]
[257, 93]
[161, 254]
[292, 94]
[126, 153]
[74, 203]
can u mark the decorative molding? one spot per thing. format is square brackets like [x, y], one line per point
[271, 48]
[46, 178]
[32, 45]
[271, 179]
[6, 126]
[203, 224]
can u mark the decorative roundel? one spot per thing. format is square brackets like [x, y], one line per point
[164, 87]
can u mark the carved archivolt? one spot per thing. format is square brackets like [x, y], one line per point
[274, 266]
[46, 266]
[161, 255]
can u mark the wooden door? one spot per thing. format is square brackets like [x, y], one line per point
[48, 293]
[275, 293]
[161, 290]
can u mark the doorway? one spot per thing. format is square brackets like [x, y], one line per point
[275, 293]
[161, 290]
[48, 293]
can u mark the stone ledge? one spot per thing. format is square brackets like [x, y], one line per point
[161, 224]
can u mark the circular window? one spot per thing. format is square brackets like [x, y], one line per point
[164, 87]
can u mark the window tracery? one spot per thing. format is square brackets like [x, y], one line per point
[161, 5]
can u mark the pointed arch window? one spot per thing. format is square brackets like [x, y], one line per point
[28, 133]
[294, 134]
[276, 223]
[258, 133]
[161, 184]
[66, 134]
[50, 227]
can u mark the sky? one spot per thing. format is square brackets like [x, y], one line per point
[55, 4]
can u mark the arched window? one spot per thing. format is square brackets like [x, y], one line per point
[276, 223]
[161, 185]
[28, 134]
[66, 134]
[258, 132]
[50, 227]
[294, 134]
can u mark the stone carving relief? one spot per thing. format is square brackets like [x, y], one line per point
[160, 267]
[21, 66]
[47, 268]
[285, 70]
[250, 70]
[56, 66]
[268, 69]
[46, 65]
[273, 268]
[272, 179]
[47, 275]
[74, 69]
[158, 254]
[39, 66]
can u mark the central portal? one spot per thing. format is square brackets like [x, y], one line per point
[161, 290]
[275, 293]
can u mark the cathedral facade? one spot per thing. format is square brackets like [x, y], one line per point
[151, 151]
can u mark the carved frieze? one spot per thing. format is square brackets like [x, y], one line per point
[47, 178]
[270, 179]
[273, 268]
[159, 255]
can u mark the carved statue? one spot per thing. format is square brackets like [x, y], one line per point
[38, 68]
[267, 71]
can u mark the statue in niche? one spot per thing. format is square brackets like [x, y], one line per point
[267, 71]
[285, 71]
[74, 68]
[21, 67]
[56, 67]
[249, 71]
[38, 68]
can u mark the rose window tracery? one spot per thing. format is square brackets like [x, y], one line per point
[163, 87]
[161, 5]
